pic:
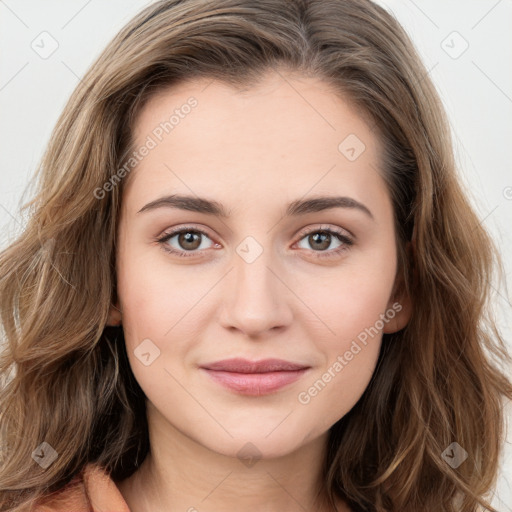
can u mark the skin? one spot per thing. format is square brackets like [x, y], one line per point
[254, 152]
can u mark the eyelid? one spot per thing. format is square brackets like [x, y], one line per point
[326, 227]
[304, 231]
[167, 234]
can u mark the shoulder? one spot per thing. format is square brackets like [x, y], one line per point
[91, 490]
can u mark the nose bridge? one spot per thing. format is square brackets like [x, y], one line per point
[256, 298]
[252, 274]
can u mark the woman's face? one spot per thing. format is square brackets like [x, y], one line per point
[263, 268]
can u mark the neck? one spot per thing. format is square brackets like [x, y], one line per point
[183, 475]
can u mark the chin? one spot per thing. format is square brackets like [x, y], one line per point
[263, 440]
[251, 448]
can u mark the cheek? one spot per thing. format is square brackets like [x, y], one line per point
[336, 389]
[155, 321]
[350, 347]
[154, 295]
[165, 304]
[349, 299]
[352, 306]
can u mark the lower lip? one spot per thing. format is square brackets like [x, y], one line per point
[255, 384]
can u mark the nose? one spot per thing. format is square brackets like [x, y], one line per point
[257, 296]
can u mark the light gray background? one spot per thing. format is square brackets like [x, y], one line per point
[475, 84]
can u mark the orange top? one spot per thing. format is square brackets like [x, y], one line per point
[92, 490]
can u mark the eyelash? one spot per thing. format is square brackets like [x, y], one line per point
[347, 242]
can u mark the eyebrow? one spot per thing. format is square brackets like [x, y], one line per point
[295, 208]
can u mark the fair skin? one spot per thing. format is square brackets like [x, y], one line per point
[254, 152]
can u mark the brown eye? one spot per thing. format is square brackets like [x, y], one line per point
[187, 241]
[319, 241]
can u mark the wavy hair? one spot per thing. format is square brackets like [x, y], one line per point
[65, 375]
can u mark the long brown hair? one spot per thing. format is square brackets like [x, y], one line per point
[65, 376]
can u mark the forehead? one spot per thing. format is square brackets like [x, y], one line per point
[286, 133]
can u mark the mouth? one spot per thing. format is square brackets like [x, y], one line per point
[254, 378]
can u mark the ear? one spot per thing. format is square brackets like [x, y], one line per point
[400, 302]
[114, 315]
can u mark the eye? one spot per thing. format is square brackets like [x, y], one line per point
[322, 238]
[188, 240]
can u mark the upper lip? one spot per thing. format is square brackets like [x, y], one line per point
[239, 365]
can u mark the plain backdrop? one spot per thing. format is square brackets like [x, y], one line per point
[465, 45]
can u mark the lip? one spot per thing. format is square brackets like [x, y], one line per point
[254, 378]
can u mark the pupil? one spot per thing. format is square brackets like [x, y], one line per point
[188, 238]
[320, 238]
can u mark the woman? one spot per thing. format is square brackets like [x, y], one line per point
[251, 278]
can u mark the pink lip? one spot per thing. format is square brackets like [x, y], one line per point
[254, 378]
